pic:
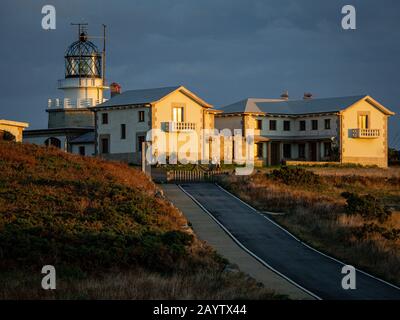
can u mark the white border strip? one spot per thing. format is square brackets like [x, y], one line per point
[303, 243]
[245, 249]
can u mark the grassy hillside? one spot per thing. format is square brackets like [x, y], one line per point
[106, 228]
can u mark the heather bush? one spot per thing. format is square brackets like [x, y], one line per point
[368, 206]
[294, 176]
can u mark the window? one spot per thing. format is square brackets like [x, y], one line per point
[327, 149]
[314, 124]
[272, 124]
[141, 116]
[286, 125]
[140, 140]
[302, 125]
[259, 151]
[177, 114]
[287, 151]
[82, 150]
[363, 121]
[302, 150]
[259, 124]
[104, 118]
[104, 145]
[123, 131]
[327, 124]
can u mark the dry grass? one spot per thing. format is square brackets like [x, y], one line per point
[315, 213]
[391, 172]
[140, 284]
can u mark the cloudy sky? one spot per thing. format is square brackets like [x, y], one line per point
[224, 50]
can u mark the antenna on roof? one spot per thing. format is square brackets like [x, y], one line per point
[104, 55]
[82, 28]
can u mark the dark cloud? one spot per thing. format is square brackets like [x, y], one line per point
[223, 50]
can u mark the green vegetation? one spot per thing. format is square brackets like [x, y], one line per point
[96, 221]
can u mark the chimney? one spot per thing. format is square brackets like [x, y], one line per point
[307, 96]
[115, 89]
[285, 95]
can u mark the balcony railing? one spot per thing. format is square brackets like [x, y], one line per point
[76, 103]
[365, 133]
[180, 126]
[78, 83]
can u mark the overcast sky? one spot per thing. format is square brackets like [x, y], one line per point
[223, 50]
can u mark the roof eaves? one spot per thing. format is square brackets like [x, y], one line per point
[375, 103]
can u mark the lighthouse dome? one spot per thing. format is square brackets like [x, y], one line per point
[82, 59]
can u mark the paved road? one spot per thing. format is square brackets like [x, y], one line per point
[306, 267]
[207, 229]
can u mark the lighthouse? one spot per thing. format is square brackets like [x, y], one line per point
[83, 85]
[70, 116]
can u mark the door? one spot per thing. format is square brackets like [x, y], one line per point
[274, 154]
[139, 146]
[313, 151]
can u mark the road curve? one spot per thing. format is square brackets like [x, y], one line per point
[304, 266]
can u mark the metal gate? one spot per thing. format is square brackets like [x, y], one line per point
[174, 176]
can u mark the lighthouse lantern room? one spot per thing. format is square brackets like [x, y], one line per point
[84, 81]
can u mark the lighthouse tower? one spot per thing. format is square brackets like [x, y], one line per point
[83, 85]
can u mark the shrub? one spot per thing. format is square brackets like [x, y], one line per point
[177, 237]
[368, 206]
[391, 234]
[295, 176]
[367, 229]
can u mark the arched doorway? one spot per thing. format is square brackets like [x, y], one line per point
[6, 136]
[53, 142]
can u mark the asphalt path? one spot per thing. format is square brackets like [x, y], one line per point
[307, 268]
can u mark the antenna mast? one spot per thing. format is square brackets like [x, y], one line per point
[104, 55]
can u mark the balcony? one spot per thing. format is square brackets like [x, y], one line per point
[365, 133]
[179, 126]
[75, 103]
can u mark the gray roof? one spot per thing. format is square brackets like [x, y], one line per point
[137, 97]
[85, 138]
[288, 107]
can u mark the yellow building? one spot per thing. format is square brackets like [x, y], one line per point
[364, 133]
[344, 129]
[175, 114]
[14, 127]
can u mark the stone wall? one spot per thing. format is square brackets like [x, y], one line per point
[64, 118]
